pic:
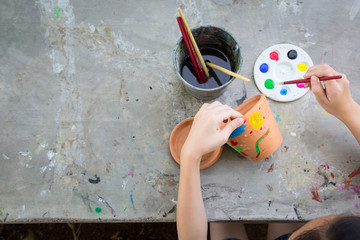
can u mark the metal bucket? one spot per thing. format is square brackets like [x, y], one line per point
[214, 37]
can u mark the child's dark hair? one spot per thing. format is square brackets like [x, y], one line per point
[343, 228]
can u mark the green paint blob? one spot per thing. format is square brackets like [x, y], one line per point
[57, 11]
[269, 84]
[98, 210]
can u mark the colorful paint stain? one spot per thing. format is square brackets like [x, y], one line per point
[277, 118]
[237, 148]
[269, 84]
[354, 173]
[292, 54]
[264, 68]
[57, 11]
[258, 141]
[283, 91]
[131, 197]
[332, 175]
[256, 120]
[237, 132]
[131, 173]
[98, 210]
[271, 168]
[302, 67]
[300, 85]
[274, 56]
[315, 194]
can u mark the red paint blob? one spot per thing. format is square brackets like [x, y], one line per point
[244, 121]
[315, 194]
[332, 175]
[244, 154]
[274, 56]
[354, 173]
[250, 132]
[233, 143]
[261, 128]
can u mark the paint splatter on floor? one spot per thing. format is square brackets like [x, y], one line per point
[315, 194]
[271, 168]
[270, 188]
[354, 173]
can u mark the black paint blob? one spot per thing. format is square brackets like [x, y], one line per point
[216, 78]
[94, 181]
[292, 54]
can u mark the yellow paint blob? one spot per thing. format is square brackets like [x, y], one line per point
[302, 67]
[256, 120]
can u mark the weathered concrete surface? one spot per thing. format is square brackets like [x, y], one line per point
[88, 99]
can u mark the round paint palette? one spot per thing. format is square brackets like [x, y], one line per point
[280, 63]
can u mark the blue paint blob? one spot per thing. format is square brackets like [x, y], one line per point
[237, 132]
[264, 68]
[283, 91]
[277, 118]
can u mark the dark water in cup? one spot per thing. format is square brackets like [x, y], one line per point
[216, 77]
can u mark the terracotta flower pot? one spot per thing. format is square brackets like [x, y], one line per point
[259, 136]
[177, 140]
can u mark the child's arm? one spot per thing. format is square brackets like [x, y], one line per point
[335, 98]
[205, 136]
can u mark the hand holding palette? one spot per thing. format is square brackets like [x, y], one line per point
[280, 63]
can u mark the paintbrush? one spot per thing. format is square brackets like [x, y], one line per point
[202, 62]
[197, 67]
[307, 80]
[224, 70]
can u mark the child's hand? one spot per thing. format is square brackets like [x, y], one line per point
[207, 134]
[335, 97]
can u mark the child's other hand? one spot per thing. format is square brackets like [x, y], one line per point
[207, 134]
[335, 97]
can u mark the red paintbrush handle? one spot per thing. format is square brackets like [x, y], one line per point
[308, 79]
[198, 70]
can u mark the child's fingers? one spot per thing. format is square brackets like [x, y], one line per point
[318, 90]
[231, 126]
[320, 71]
[228, 113]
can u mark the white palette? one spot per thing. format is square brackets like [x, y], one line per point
[277, 64]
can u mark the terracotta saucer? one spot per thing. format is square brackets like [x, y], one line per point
[177, 140]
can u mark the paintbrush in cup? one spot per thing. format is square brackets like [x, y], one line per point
[194, 44]
[199, 73]
[228, 72]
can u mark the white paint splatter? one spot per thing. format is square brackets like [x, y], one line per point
[354, 9]
[289, 7]
[124, 183]
[50, 154]
[293, 134]
[43, 169]
[43, 193]
[5, 157]
[25, 153]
